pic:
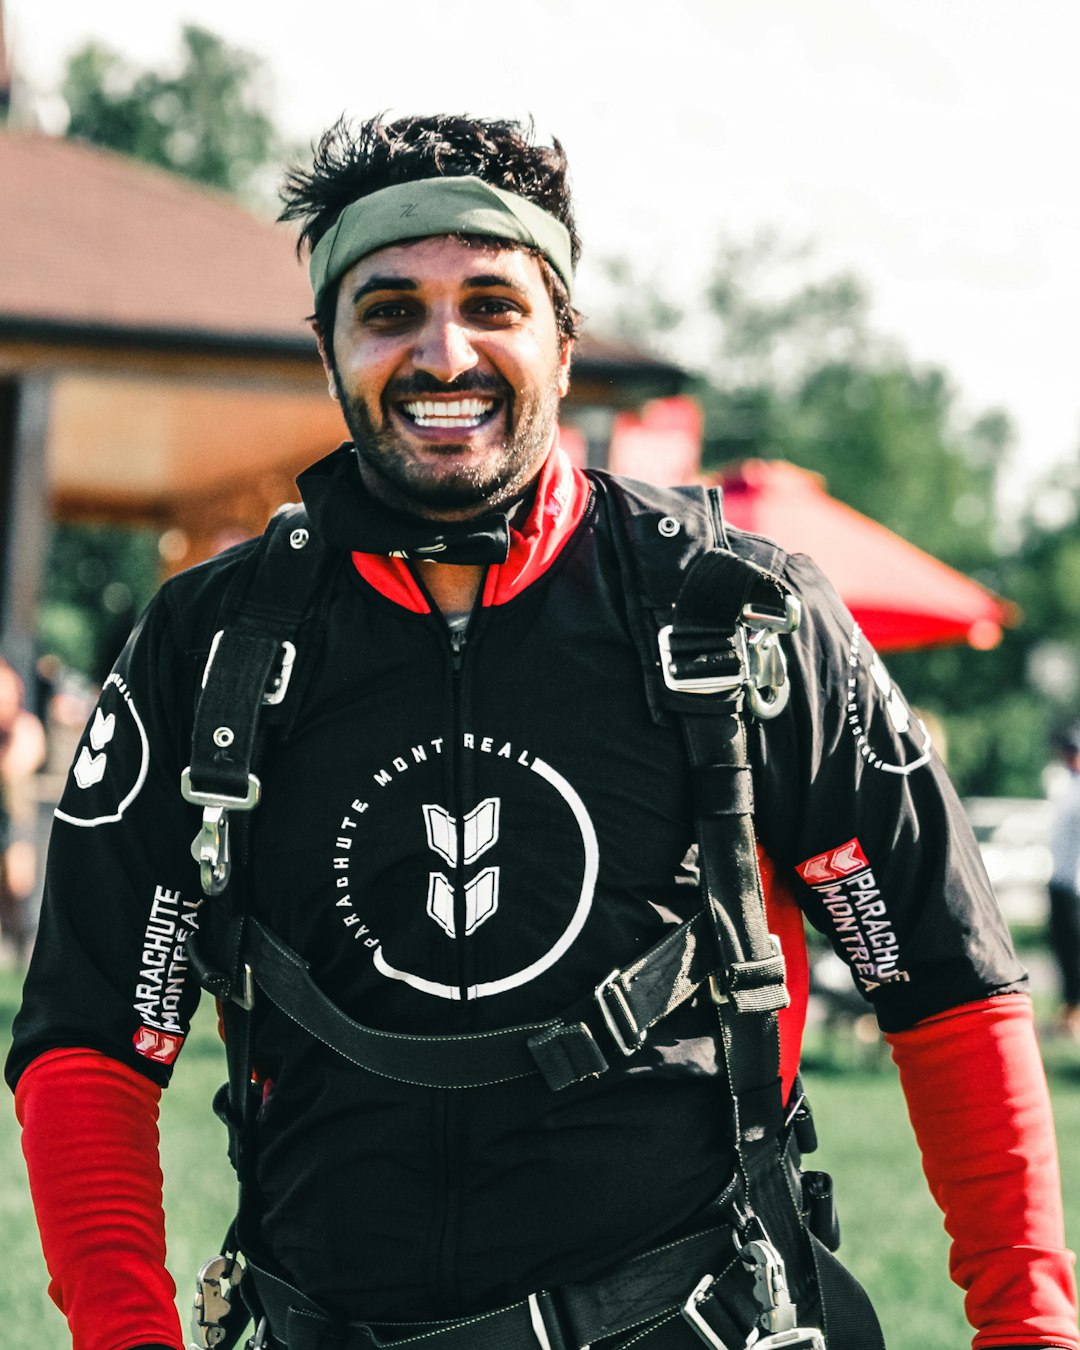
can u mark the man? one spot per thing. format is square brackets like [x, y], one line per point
[1064, 887]
[476, 813]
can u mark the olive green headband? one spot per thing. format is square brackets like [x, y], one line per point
[432, 206]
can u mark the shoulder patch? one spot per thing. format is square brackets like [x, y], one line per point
[895, 742]
[112, 761]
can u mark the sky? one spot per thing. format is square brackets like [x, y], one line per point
[923, 145]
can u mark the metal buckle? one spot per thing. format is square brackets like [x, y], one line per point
[702, 684]
[798, 1338]
[258, 1341]
[691, 1313]
[279, 682]
[605, 987]
[214, 1285]
[197, 798]
[762, 665]
[795, 1338]
[765, 1263]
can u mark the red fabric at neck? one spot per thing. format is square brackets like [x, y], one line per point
[562, 495]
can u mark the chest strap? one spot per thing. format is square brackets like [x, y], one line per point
[612, 1021]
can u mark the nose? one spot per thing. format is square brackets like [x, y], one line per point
[443, 349]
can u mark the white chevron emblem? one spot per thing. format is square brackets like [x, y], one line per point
[89, 769]
[479, 831]
[102, 729]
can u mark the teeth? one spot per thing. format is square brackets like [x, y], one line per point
[465, 413]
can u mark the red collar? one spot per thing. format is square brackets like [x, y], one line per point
[562, 495]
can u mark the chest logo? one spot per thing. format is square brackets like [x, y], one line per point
[479, 832]
[451, 857]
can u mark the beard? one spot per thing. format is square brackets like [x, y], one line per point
[489, 480]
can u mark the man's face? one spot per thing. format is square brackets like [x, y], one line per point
[450, 367]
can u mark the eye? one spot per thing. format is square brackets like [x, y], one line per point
[496, 307]
[388, 312]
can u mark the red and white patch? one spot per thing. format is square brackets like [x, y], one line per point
[836, 863]
[157, 1045]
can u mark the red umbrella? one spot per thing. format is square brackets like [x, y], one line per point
[901, 596]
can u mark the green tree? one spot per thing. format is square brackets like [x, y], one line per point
[206, 120]
[97, 580]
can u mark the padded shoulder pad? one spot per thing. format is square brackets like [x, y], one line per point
[663, 531]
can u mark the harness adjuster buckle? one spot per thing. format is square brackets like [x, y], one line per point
[629, 1036]
[695, 1312]
[215, 1287]
[280, 678]
[247, 802]
[713, 683]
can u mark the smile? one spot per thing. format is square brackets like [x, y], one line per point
[463, 414]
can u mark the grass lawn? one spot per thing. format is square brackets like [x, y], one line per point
[893, 1237]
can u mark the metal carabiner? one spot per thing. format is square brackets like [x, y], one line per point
[767, 686]
[210, 849]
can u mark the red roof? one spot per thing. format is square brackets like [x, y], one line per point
[92, 237]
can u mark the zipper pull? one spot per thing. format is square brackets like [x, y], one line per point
[458, 638]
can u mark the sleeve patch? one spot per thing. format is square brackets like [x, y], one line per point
[112, 763]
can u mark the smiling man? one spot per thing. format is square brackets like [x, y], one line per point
[450, 370]
[511, 788]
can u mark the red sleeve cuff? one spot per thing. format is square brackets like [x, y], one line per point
[90, 1140]
[978, 1101]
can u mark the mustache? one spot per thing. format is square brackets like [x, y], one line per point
[468, 383]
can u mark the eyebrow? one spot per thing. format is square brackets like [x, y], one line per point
[396, 283]
[383, 283]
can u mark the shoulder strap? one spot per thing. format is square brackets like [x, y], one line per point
[260, 657]
[707, 621]
[255, 662]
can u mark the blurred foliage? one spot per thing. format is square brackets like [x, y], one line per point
[207, 120]
[793, 370]
[97, 580]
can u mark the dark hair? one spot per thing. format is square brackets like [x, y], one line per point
[352, 162]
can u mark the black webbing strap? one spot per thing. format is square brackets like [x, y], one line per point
[636, 1292]
[252, 657]
[223, 737]
[698, 593]
[562, 1050]
[256, 661]
[823, 1291]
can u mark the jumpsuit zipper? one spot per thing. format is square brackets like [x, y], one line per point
[451, 1120]
[458, 640]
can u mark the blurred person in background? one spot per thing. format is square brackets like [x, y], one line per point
[1064, 886]
[22, 752]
